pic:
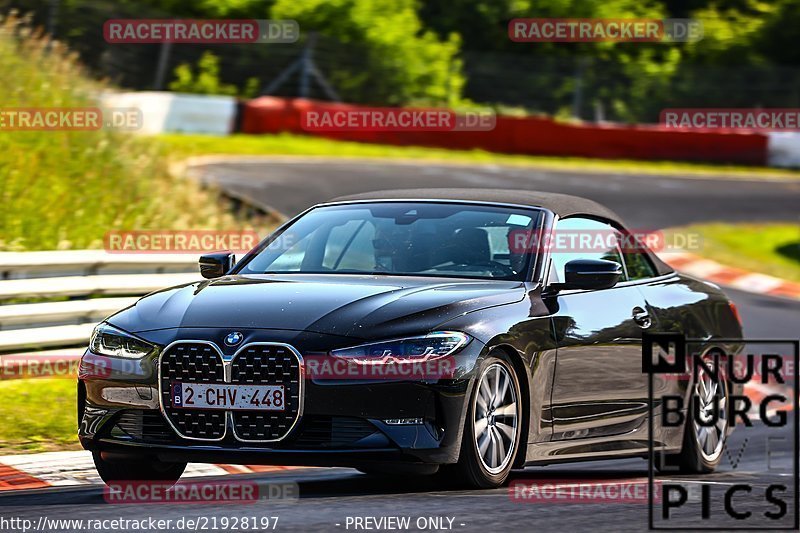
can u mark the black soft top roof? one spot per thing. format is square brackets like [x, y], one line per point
[563, 205]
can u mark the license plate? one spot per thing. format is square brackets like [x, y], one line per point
[228, 396]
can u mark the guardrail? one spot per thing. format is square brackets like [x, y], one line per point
[88, 285]
[24, 265]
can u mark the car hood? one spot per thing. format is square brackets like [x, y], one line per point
[365, 307]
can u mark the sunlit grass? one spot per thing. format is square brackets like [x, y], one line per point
[38, 415]
[300, 145]
[772, 249]
[62, 189]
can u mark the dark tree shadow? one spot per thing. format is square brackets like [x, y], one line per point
[790, 251]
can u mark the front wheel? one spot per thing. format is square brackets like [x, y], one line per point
[140, 469]
[492, 427]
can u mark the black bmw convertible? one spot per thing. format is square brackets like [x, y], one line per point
[407, 332]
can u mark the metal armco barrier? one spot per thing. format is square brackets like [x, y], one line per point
[87, 286]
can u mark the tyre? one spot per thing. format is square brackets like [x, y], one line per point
[492, 427]
[144, 469]
[703, 445]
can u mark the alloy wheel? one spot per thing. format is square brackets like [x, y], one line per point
[712, 399]
[495, 424]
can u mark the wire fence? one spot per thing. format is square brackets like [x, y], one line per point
[589, 88]
[595, 89]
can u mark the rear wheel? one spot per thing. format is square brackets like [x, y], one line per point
[704, 437]
[139, 469]
[492, 427]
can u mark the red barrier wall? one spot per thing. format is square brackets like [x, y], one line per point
[529, 135]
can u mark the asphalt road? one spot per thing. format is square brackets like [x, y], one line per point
[291, 185]
[331, 499]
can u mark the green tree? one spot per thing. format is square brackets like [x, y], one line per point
[391, 57]
[204, 81]
[728, 34]
[777, 37]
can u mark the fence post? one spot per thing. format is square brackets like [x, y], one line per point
[577, 93]
[52, 23]
[307, 69]
[163, 62]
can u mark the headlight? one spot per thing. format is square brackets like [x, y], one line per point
[430, 346]
[108, 340]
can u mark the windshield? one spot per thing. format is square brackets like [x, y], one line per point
[401, 238]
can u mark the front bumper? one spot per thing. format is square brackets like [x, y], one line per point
[343, 422]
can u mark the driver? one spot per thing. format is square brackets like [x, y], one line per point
[390, 247]
[470, 246]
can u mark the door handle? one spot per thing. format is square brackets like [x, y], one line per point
[642, 317]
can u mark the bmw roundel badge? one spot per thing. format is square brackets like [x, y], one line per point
[233, 338]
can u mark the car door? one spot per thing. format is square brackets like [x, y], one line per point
[598, 387]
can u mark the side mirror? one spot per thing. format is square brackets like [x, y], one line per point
[590, 274]
[216, 265]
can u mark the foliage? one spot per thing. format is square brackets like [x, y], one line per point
[204, 81]
[404, 52]
[398, 60]
[66, 189]
[737, 63]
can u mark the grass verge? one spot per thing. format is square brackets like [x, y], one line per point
[772, 249]
[182, 146]
[66, 189]
[38, 415]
